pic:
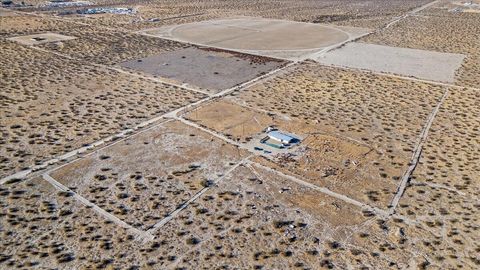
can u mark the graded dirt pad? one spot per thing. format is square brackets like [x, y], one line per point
[209, 69]
[51, 105]
[40, 38]
[438, 31]
[275, 38]
[429, 65]
[257, 219]
[232, 120]
[144, 178]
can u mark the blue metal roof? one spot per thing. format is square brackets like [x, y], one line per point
[280, 136]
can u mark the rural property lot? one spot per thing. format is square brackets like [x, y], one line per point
[144, 178]
[309, 134]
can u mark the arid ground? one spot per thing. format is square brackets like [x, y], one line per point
[140, 138]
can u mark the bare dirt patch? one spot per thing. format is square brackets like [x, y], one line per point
[442, 32]
[232, 120]
[324, 159]
[276, 38]
[212, 70]
[6, 13]
[422, 64]
[40, 38]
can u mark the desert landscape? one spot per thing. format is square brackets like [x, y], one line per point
[280, 134]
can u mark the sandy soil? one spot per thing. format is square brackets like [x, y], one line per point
[51, 105]
[325, 159]
[40, 38]
[93, 44]
[385, 113]
[260, 36]
[428, 65]
[253, 224]
[438, 30]
[208, 69]
[143, 179]
[352, 12]
[452, 153]
[181, 195]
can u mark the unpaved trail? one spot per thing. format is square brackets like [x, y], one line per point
[417, 151]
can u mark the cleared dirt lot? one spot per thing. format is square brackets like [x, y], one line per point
[421, 64]
[442, 31]
[209, 69]
[236, 122]
[144, 178]
[6, 13]
[40, 38]
[260, 36]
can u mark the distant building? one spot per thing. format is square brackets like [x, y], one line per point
[282, 137]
